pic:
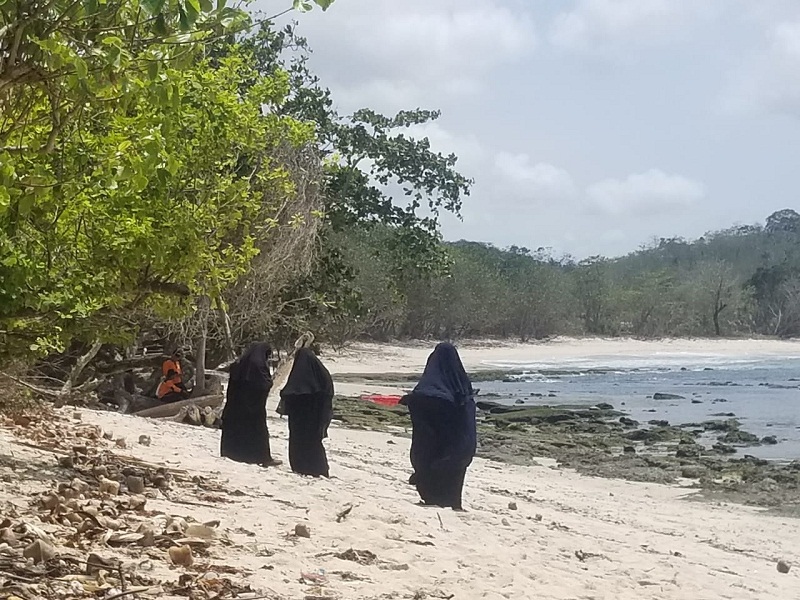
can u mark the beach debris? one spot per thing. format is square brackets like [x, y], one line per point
[538, 518]
[39, 551]
[342, 514]
[319, 578]
[181, 556]
[135, 484]
[144, 440]
[783, 567]
[121, 443]
[584, 556]
[301, 530]
[512, 505]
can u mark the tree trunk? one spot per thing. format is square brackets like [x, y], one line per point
[200, 358]
[226, 330]
[79, 367]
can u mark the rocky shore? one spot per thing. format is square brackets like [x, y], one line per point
[604, 442]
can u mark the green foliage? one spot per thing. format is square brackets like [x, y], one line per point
[160, 192]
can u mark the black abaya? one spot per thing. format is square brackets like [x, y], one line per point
[245, 437]
[308, 402]
[444, 437]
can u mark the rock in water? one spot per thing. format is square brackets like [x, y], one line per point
[783, 567]
[663, 396]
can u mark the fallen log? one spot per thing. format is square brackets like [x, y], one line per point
[173, 408]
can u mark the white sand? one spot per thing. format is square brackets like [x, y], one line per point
[642, 541]
[650, 542]
[410, 358]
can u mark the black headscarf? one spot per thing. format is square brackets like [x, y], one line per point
[308, 376]
[445, 377]
[253, 367]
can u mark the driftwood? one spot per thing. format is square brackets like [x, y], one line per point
[174, 408]
[284, 368]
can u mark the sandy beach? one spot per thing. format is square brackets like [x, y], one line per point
[529, 532]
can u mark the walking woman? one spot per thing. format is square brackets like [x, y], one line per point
[245, 437]
[308, 402]
[444, 436]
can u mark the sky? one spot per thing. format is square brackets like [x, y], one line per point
[589, 126]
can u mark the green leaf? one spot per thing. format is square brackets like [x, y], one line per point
[81, 69]
[193, 5]
[90, 6]
[323, 4]
[154, 7]
[183, 19]
[25, 204]
[160, 25]
[207, 5]
[153, 68]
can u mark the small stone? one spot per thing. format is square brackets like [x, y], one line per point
[629, 450]
[7, 536]
[96, 563]
[77, 416]
[505, 522]
[135, 484]
[783, 567]
[109, 435]
[107, 486]
[66, 462]
[512, 506]
[181, 556]
[302, 531]
[538, 518]
[50, 502]
[144, 440]
[79, 486]
[39, 551]
[121, 443]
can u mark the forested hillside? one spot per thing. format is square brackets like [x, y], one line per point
[740, 281]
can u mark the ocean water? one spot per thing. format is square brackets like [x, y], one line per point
[762, 392]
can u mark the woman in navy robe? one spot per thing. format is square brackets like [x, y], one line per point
[444, 436]
[308, 402]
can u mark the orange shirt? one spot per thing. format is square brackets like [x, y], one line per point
[165, 387]
[171, 365]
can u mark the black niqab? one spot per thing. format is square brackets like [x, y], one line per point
[253, 367]
[308, 376]
[444, 377]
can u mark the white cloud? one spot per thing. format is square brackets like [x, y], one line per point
[533, 181]
[650, 193]
[769, 81]
[413, 51]
[599, 25]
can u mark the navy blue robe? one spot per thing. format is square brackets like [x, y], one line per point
[444, 436]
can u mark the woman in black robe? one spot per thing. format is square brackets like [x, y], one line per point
[245, 437]
[308, 402]
[444, 437]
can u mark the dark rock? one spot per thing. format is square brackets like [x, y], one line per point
[783, 567]
[658, 423]
[629, 450]
[729, 425]
[769, 440]
[697, 401]
[729, 414]
[688, 451]
[604, 406]
[628, 422]
[723, 448]
[487, 406]
[663, 396]
[693, 472]
[519, 401]
[741, 438]
[719, 400]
